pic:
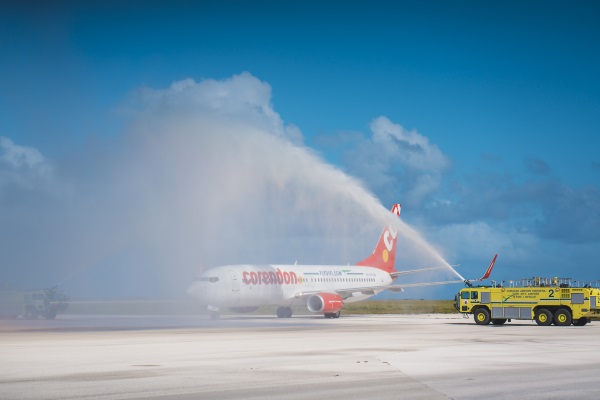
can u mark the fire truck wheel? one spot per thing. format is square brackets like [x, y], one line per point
[501, 321]
[543, 317]
[562, 317]
[580, 322]
[482, 316]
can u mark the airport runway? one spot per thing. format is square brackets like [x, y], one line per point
[353, 357]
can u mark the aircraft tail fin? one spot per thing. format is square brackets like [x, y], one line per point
[384, 255]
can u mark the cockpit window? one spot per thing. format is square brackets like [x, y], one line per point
[211, 279]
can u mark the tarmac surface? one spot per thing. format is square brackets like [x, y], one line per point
[262, 357]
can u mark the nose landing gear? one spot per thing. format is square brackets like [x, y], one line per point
[213, 312]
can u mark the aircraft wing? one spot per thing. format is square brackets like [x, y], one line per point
[413, 271]
[466, 281]
[347, 292]
[410, 285]
[371, 290]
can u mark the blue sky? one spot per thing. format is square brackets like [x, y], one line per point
[495, 108]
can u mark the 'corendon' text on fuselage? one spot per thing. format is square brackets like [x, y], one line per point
[269, 278]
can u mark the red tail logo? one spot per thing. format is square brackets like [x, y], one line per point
[384, 255]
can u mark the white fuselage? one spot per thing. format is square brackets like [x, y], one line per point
[282, 285]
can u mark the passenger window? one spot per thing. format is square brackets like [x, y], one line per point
[474, 295]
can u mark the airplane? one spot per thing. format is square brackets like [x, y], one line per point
[324, 288]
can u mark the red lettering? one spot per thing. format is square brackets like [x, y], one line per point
[269, 277]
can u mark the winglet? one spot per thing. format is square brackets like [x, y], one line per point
[485, 276]
[489, 270]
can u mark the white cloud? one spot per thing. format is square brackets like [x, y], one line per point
[207, 174]
[408, 148]
[479, 240]
[242, 98]
[22, 166]
[21, 157]
[474, 244]
[397, 161]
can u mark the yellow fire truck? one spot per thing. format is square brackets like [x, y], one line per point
[561, 301]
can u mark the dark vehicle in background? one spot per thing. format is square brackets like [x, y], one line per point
[32, 304]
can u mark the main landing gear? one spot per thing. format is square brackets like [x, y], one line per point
[284, 312]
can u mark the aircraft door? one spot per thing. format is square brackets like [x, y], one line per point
[235, 283]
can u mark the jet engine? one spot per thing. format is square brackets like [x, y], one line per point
[329, 304]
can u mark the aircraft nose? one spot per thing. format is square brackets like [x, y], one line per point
[197, 290]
